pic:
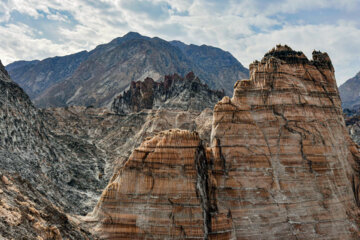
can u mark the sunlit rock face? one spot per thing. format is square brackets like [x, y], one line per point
[283, 159]
[281, 165]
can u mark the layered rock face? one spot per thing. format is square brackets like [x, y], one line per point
[281, 165]
[164, 199]
[285, 160]
[174, 92]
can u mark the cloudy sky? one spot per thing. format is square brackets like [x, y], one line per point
[36, 29]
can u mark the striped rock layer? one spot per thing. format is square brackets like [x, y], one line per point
[281, 166]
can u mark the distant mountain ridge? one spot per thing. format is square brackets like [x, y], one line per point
[350, 93]
[97, 77]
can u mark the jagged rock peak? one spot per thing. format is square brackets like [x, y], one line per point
[282, 59]
[287, 54]
[175, 92]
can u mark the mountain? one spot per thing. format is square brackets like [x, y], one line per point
[215, 64]
[36, 76]
[174, 92]
[350, 93]
[281, 165]
[94, 78]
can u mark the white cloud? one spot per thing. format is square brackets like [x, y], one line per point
[246, 28]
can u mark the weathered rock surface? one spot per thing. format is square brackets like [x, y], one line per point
[39, 174]
[97, 77]
[27, 214]
[353, 125]
[174, 92]
[281, 166]
[64, 168]
[350, 93]
[118, 135]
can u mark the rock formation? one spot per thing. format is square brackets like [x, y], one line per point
[174, 92]
[36, 169]
[65, 168]
[281, 165]
[95, 78]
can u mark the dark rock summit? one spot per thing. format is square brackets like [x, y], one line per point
[174, 92]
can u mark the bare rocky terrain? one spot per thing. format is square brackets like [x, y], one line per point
[57, 161]
[95, 78]
[274, 161]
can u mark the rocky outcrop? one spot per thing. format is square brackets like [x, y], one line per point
[118, 135]
[353, 124]
[95, 78]
[27, 214]
[349, 93]
[174, 92]
[64, 168]
[42, 175]
[281, 165]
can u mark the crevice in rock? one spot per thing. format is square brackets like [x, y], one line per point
[355, 188]
[222, 158]
[203, 189]
[286, 126]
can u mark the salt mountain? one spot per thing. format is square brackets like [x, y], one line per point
[96, 77]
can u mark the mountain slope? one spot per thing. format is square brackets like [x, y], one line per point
[34, 165]
[106, 71]
[350, 92]
[215, 64]
[63, 168]
[36, 76]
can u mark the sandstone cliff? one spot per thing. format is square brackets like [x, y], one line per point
[281, 165]
[174, 92]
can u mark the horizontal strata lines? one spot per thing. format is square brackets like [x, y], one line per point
[297, 90]
[259, 107]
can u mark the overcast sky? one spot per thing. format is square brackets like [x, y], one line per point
[36, 29]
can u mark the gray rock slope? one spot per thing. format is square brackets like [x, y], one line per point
[65, 169]
[350, 93]
[174, 92]
[95, 78]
